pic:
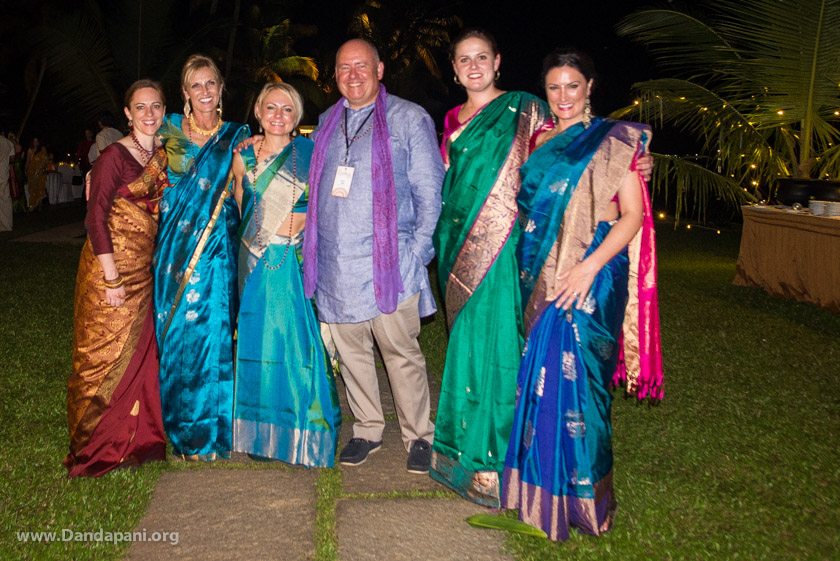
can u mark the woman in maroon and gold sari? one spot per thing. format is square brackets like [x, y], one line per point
[113, 395]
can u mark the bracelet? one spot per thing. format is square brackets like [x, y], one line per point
[113, 283]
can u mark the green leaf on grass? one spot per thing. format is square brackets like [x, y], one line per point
[501, 523]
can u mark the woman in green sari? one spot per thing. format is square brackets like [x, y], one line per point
[485, 141]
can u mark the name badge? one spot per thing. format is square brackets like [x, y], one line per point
[343, 179]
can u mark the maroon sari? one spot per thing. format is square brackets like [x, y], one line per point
[113, 396]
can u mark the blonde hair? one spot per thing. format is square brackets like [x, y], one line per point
[197, 62]
[288, 89]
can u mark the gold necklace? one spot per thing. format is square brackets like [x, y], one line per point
[203, 132]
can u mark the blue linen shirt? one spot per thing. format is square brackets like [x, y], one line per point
[344, 289]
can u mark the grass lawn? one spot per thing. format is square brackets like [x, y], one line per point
[738, 462]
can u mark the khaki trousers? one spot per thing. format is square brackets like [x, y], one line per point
[396, 336]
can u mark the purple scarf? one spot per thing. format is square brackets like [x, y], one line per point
[387, 282]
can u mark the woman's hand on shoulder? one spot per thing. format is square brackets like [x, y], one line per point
[250, 141]
[644, 165]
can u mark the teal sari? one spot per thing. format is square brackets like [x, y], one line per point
[558, 470]
[475, 244]
[285, 401]
[195, 293]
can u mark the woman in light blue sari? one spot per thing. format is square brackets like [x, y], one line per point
[285, 401]
[588, 274]
[195, 269]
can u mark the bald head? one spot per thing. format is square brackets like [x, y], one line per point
[358, 71]
[359, 43]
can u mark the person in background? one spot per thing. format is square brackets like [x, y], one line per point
[113, 396]
[587, 261]
[82, 151]
[107, 135]
[37, 162]
[17, 175]
[7, 152]
[285, 402]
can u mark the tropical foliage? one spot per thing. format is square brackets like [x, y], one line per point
[755, 82]
[85, 73]
[410, 38]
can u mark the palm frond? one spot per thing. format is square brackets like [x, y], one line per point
[79, 65]
[765, 100]
[693, 185]
[680, 42]
[296, 66]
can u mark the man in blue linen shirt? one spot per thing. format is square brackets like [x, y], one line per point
[344, 280]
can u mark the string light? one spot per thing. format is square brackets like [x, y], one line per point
[662, 216]
[780, 112]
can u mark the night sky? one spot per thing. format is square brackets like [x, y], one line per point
[528, 30]
[525, 30]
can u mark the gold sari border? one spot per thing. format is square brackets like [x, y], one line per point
[555, 514]
[494, 223]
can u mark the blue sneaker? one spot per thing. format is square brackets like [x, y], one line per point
[419, 457]
[356, 451]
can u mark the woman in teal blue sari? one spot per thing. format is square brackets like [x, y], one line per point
[285, 401]
[588, 275]
[195, 292]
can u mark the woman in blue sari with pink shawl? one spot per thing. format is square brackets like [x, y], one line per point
[195, 292]
[588, 276]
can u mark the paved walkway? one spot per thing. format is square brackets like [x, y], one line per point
[240, 509]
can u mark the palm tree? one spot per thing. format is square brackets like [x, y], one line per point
[410, 39]
[269, 56]
[755, 82]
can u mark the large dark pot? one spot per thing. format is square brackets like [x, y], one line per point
[791, 190]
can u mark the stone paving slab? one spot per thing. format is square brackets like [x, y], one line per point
[73, 234]
[384, 471]
[414, 530]
[223, 514]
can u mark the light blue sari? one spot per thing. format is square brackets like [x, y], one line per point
[285, 402]
[194, 320]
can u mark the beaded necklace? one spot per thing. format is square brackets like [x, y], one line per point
[259, 217]
[145, 154]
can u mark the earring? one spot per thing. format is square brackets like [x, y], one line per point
[130, 124]
[456, 80]
[587, 113]
[497, 75]
[187, 108]
[219, 108]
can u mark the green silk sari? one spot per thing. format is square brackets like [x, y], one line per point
[475, 244]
